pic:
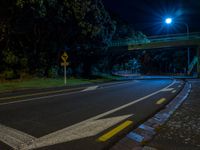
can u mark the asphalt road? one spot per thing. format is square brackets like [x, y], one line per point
[86, 119]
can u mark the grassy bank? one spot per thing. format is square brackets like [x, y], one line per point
[48, 82]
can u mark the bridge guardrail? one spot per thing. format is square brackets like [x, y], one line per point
[163, 38]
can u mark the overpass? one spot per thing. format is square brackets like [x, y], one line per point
[164, 41]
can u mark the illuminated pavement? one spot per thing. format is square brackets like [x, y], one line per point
[91, 118]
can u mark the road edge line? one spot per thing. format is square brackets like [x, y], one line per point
[155, 122]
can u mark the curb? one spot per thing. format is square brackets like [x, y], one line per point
[139, 137]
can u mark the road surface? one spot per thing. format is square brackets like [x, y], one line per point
[92, 118]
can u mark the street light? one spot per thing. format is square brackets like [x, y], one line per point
[169, 21]
[188, 49]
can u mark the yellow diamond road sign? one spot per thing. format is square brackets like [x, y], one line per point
[65, 55]
[64, 58]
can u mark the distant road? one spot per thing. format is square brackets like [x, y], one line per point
[87, 119]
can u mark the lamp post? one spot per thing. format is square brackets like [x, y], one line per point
[188, 49]
[169, 21]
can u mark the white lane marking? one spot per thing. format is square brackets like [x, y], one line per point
[120, 84]
[85, 129]
[113, 84]
[174, 91]
[13, 137]
[167, 90]
[39, 98]
[182, 99]
[50, 96]
[91, 88]
[111, 111]
[88, 121]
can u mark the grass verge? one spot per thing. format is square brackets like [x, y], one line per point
[49, 82]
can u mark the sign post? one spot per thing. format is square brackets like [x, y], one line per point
[65, 75]
[64, 58]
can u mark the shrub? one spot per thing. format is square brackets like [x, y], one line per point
[8, 74]
[53, 72]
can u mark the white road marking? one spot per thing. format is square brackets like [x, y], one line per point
[178, 81]
[39, 98]
[90, 121]
[116, 85]
[75, 131]
[167, 90]
[84, 129]
[174, 91]
[49, 96]
[91, 88]
[13, 137]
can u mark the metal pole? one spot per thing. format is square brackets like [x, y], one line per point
[65, 75]
[198, 62]
[188, 49]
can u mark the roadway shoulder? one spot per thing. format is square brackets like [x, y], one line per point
[139, 137]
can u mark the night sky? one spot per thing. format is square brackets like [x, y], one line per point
[148, 15]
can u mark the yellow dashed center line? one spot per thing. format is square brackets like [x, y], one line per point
[114, 131]
[160, 101]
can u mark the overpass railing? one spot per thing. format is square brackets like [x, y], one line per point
[160, 38]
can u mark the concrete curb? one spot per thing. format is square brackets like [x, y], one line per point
[139, 137]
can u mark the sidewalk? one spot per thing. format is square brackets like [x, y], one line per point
[182, 131]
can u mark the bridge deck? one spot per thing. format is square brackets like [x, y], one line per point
[193, 39]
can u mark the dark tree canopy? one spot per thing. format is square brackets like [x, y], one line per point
[33, 32]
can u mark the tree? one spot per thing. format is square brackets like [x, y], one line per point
[37, 30]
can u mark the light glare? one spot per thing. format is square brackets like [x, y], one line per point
[168, 20]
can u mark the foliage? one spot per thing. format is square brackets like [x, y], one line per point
[35, 32]
[164, 61]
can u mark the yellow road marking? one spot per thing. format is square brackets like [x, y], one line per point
[160, 101]
[37, 94]
[114, 131]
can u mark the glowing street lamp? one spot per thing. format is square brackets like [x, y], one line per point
[168, 20]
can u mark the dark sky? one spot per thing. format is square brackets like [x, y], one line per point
[148, 15]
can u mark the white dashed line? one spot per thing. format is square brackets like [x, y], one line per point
[91, 88]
